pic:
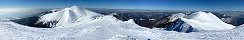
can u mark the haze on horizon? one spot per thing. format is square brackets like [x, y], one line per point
[195, 5]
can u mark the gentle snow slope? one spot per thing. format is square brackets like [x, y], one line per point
[206, 21]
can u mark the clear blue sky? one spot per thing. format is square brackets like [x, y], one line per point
[129, 4]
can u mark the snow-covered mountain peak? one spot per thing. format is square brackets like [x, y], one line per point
[199, 21]
[67, 15]
[207, 21]
[201, 16]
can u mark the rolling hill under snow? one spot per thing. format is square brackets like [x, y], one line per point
[76, 23]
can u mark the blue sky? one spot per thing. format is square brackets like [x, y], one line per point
[129, 4]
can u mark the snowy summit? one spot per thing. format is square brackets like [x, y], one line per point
[198, 21]
[206, 21]
[67, 15]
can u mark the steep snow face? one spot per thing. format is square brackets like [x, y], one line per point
[179, 26]
[67, 15]
[206, 21]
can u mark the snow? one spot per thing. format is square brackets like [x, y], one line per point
[151, 19]
[106, 27]
[180, 26]
[111, 30]
[67, 15]
[174, 17]
[206, 21]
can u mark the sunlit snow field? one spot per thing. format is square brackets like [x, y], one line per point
[90, 26]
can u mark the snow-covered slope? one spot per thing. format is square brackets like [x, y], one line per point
[180, 26]
[206, 21]
[109, 29]
[198, 21]
[106, 27]
[79, 26]
[66, 16]
[174, 17]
